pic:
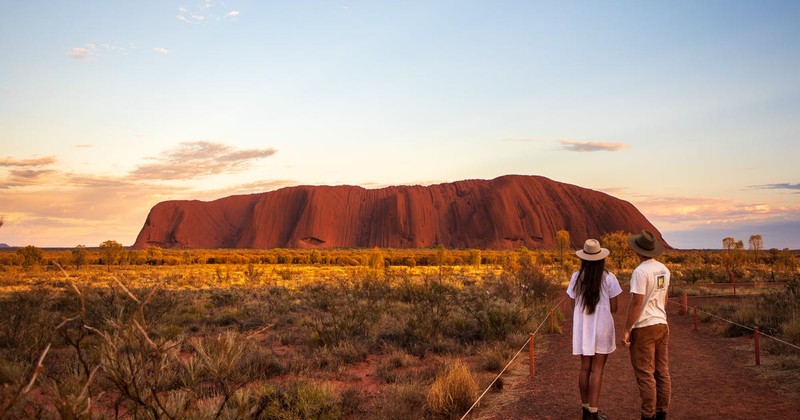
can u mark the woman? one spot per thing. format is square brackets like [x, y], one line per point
[594, 291]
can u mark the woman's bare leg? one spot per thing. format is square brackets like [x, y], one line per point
[596, 378]
[584, 377]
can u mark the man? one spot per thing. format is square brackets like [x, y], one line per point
[646, 330]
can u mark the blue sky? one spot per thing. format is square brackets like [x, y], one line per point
[689, 110]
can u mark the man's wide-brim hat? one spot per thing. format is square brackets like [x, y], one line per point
[645, 243]
[592, 251]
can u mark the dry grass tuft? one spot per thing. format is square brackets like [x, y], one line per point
[452, 393]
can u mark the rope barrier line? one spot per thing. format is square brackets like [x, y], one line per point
[549, 314]
[740, 325]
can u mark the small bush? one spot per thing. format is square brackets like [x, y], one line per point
[349, 352]
[260, 363]
[303, 400]
[11, 372]
[452, 393]
[493, 358]
[352, 400]
[386, 369]
[402, 401]
[791, 334]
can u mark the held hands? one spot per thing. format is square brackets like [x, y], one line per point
[626, 338]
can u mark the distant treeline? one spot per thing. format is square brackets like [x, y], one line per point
[112, 253]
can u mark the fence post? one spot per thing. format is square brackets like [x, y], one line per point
[695, 318]
[734, 289]
[531, 338]
[684, 306]
[757, 339]
[552, 322]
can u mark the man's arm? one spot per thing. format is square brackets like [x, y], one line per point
[634, 310]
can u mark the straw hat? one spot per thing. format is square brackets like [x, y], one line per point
[645, 244]
[592, 251]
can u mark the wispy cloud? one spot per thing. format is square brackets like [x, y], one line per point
[86, 53]
[206, 10]
[26, 177]
[780, 186]
[198, 159]
[42, 203]
[161, 50]
[592, 146]
[681, 213]
[44, 161]
[91, 52]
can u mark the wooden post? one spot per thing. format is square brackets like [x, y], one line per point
[695, 318]
[734, 289]
[552, 323]
[757, 339]
[684, 307]
[530, 352]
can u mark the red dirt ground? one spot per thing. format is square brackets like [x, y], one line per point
[712, 377]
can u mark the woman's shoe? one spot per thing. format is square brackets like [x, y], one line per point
[597, 416]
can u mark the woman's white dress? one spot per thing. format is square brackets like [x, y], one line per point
[594, 333]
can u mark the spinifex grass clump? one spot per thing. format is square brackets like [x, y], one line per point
[452, 394]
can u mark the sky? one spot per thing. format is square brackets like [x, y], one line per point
[690, 110]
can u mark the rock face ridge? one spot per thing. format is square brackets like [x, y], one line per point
[502, 213]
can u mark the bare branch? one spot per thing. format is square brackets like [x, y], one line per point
[259, 331]
[85, 390]
[36, 370]
[152, 293]
[95, 330]
[66, 321]
[144, 333]
[125, 289]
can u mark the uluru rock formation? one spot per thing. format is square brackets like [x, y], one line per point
[502, 213]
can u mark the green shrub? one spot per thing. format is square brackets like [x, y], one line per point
[302, 400]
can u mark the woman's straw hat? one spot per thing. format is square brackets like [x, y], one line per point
[592, 251]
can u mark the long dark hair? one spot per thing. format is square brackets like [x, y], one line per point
[590, 279]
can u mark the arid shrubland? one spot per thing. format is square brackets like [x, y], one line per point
[248, 342]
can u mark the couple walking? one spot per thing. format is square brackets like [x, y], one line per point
[646, 333]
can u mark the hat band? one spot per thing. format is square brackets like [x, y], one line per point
[592, 253]
[649, 247]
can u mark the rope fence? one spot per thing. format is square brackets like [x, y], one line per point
[756, 332]
[683, 303]
[528, 342]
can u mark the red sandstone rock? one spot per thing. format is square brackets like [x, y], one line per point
[502, 213]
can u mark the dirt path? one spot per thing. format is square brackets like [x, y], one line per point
[712, 377]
